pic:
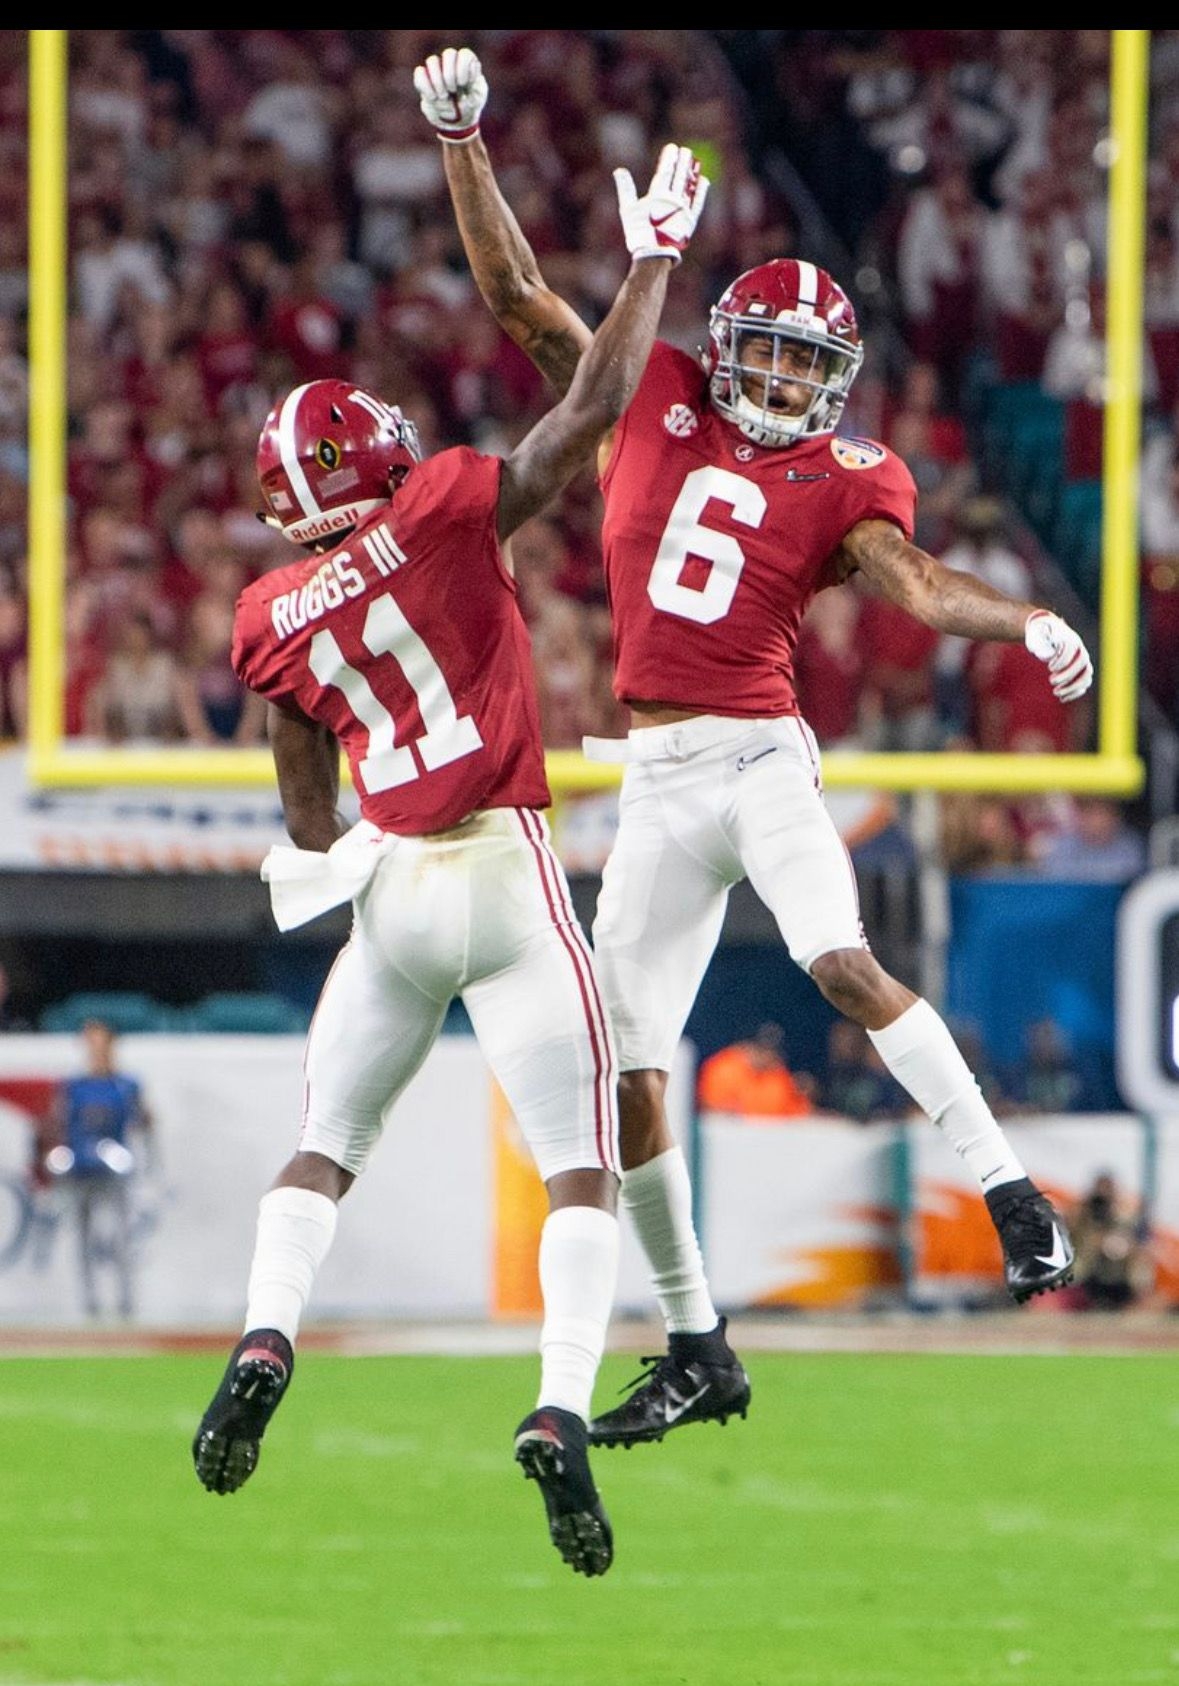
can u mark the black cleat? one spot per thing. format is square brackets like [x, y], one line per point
[699, 1380]
[225, 1450]
[1037, 1252]
[551, 1450]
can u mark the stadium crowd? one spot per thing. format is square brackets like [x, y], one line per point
[253, 208]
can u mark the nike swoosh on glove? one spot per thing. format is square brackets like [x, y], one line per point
[1053, 641]
[452, 90]
[660, 224]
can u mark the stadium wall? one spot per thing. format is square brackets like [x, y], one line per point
[818, 1214]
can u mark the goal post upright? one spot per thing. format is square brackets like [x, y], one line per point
[1114, 768]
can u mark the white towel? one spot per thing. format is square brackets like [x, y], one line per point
[305, 883]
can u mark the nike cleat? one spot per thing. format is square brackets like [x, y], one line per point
[551, 1450]
[1037, 1252]
[225, 1450]
[699, 1380]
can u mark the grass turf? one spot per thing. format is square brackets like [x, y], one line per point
[879, 1520]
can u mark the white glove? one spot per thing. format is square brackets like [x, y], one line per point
[453, 92]
[1053, 641]
[660, 224]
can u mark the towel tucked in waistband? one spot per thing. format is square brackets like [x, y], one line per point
[305, 883]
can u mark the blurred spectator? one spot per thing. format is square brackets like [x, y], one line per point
[1011, 710]
[1160, 562]
[979, 545]
[1074, 371]
[103, 1131]
[13, 664]
[829, 666]
[135, 697]
[938, 261]
[563, 656]
[977, 832]
[1048, 1081]
[1114, 1268]
[932, 442]
[214, 706]
[977, 1056]
[899, 679]
[857, 1083]
[1098, 846]
[753, 1079]
[1028, 265]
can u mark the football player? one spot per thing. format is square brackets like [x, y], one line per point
[730, 499]
[397, 637]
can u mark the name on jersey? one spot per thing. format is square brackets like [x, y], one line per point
[337, 581]
[857, 453]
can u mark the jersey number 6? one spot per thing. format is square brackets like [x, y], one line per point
[685, 535]
[448, 735]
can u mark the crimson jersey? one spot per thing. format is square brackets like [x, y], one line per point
[406, 642]
[714, 547]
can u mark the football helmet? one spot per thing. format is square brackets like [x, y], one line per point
[329, 454]
[785, 303]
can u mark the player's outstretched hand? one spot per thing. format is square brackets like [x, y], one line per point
[660, 224]
[1070, 667]
[453, 91]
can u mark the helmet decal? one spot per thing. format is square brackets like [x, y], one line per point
[330, 454]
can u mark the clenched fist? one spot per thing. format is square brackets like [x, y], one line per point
[453, 91]
[1051, 640]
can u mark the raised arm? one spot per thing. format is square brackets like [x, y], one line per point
[959, 603]
[307, 762]
[656, 227]
[453, 90]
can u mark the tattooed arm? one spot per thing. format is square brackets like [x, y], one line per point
[932, 593]
[948, 601]
[506, 271]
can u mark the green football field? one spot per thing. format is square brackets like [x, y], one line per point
[879, 1520]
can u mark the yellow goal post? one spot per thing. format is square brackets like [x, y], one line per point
[1114, 768]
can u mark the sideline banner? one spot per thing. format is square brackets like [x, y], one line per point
[799, 1213]
[956, 1253]
[113, 829]
[436, 1226]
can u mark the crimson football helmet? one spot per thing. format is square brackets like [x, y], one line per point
[787, 303]
[329, 454]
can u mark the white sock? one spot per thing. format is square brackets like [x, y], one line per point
[578, 1273]
[924, 1058]
[296, 1227]
[658, 1196]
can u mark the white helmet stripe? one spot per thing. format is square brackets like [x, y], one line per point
[808, 289]
[289, 453]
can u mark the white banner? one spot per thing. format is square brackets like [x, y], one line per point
[418, 1232]
[798, 1213]
[137, 828]
[955, 1249]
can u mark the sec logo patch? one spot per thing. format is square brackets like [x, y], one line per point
[856, 453]
[680, 421]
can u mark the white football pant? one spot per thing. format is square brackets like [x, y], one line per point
[704, 804]
[482, 912]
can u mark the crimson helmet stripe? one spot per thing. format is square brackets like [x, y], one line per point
[289, 452]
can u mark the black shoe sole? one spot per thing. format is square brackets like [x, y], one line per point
[580, 1536]
[1047, 1287]
[227, 1456]
[738, 1406]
